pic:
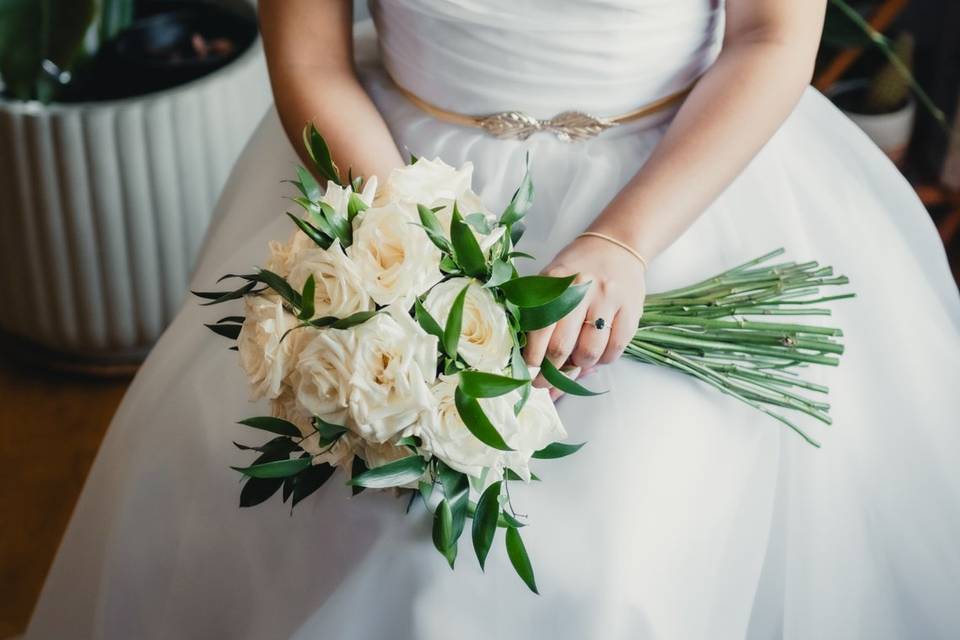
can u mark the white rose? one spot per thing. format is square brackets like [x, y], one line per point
[377, 454]
[339, 197]
[339, 288]
[266, 360]
[539, 425]
[395, 257]
[427, 181]
[392, 365]
[445, 435]
[284, 255]
[323, 372]
[339, 454]
[485, 338]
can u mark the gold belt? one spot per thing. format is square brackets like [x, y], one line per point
[568, 126]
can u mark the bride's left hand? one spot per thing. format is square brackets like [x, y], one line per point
[616, 295]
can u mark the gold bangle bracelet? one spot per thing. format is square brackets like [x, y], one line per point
[622, 245]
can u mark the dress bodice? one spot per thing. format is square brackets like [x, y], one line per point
[545, 56]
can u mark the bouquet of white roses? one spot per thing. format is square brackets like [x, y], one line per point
[387, 333]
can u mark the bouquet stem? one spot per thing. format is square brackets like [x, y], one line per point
[701, 330]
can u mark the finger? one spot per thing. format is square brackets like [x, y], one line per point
[563, 340]
[621, 333]
[592, 342]
[536, 348]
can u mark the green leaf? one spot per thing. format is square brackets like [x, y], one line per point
[535, 291]
[557, 450]
[520, 254]
[427, 321]
[477, 421]
[307, 298]
[485, 521]
[308, 185]
[519, 370]
[521, 201]
[393, 474]
[217, 297]
[479, 223]
[357, 468]
[319, 238]
[235, 319]
[448, 265]
[327, 431]
[510, 474]
[466, 249]
[443, 532]
[553, 375]
[480, 384]
[456, 489]
[519, 558]
[230, 331]
[320, 154]
[338, 223]
[409, 441]
[275, 469]
[501, 272]
[533, 318]
[273, 425]
[433, 228]
[451, 332]
[258, 490]
[309, 480]
[355, 206]
[280, 285]
[353, 320]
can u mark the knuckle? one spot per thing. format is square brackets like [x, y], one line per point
[557, 270]
[586, 356]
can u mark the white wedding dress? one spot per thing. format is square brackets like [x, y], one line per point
[687, 515]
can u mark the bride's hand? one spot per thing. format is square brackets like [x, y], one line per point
[616, 295]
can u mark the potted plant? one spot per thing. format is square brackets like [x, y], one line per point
[881, 104]
[119, 122]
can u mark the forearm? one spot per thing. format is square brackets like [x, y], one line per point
[732, 112]
[309, 54]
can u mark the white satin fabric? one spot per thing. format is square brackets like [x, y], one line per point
[687, 515]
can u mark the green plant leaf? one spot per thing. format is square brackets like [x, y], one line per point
[521, 201]
[501, 272]
[519, 370]
[477, 421]
[433, 228]
[466, 249]
[355, 206]
[307, 298]
[485, 521]
[309, 480]
[273, 425]
[327, 431]
[218, 297]
[557, 450]
[319, 238]
[555, 377]
[443, 532]
[357, 467]
[318, 151]
[426, 321]
[308, 185]
[275, 469]
[258, 490]
[510, 474]
[533, 318]
[230, 331]
[393, 474]
[479, 223]
[480, 384]
[281, 286]
[451, 332]
[456, 490]
[535, 291]
[353, 320]
[519, 558]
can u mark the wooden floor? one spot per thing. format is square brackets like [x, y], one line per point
[50, 428]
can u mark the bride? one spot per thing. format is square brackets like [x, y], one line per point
[687, 515]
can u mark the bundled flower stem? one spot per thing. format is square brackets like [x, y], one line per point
[700, 330]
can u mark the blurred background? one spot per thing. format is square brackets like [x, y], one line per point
[119, 122]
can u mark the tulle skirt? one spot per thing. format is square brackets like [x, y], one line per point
[686, 515]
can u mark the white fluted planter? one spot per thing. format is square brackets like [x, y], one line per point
[103, 207]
